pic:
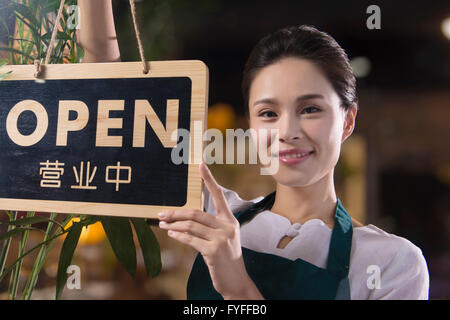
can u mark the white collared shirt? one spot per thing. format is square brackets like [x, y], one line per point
[382, 265]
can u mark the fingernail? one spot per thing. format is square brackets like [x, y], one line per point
[162, 224]
[162, 214]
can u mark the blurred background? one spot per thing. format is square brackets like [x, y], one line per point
[394, 172]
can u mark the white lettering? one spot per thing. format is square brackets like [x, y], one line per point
[41, 125]
[65, 125]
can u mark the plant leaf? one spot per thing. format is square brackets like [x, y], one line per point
[10, 233]
[80, 53]
[23, 14]
[15, 231]
[10, 216]
[3, 76]
[32, 220]
[16, 51]
[11, 266]
[149, 245]
[59, 36]
[67, 251]
[3, 62]
[120, 236]
[51, 6]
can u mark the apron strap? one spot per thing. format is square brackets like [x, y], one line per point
[341, 242]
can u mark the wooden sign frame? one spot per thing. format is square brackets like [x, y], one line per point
[198, 73]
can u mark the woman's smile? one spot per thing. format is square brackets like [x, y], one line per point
[293, 156]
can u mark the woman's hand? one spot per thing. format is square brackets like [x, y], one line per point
[217, 238]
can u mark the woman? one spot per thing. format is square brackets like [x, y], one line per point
[298, 242]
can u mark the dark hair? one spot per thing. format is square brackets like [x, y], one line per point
[304, 42]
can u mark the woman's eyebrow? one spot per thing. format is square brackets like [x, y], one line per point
[308, 96]
[265, 101]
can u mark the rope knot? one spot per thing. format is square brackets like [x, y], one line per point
[37, 64]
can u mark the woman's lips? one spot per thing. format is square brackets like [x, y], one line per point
[294, 156]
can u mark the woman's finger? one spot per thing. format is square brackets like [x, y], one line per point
[192, 227]
[188, 214]
[216, 192]
[198, 244]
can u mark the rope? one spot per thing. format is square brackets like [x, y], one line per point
[37, 62]
[138, 36]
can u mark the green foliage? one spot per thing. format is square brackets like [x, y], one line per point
[16, 231]
[120, 236]
[34, 26]
[67, 251]
[150, 246]
[34, 23]
[31, 220]
[4, 62]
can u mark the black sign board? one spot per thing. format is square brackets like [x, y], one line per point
[82, 141]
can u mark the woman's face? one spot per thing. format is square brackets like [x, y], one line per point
[295, 97]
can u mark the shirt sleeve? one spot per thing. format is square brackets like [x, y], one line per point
[406, 277]
[235, 202]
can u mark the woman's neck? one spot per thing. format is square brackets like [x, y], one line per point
[300, 204]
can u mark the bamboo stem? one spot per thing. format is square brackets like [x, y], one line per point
[5, 249]
[15, 276]
[32, 279]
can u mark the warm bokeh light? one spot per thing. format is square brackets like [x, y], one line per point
[90, 235]
[445, 27]
[221, 116]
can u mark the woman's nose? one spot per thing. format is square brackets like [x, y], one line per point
[289, 129]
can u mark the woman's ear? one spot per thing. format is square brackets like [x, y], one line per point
[349, 121]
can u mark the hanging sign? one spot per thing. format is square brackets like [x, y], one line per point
[99, 138]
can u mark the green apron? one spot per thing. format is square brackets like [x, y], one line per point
[281, 278]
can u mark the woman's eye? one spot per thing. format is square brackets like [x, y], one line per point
[310, 110]
[267, 114]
